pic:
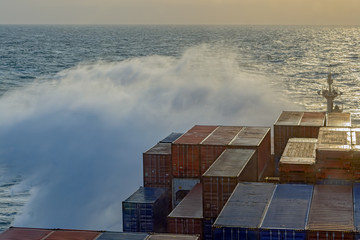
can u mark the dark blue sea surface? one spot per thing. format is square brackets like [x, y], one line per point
[294, 60]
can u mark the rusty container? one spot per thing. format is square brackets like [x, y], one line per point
[331, 214]
[258, 139]
[215, 144]
[187, 217]
[219, 181]
[186, 152]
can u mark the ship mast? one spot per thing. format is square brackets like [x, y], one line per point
[330, 94]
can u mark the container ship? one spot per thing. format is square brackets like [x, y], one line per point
[240, 182]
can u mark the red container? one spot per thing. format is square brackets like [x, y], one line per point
[25, 233]
[331, 210]
[73, 235]
[220, 180]
[157, 166]
[215, 144]
[187, 217]
[259, 139]
[186, 152]
[323, 235]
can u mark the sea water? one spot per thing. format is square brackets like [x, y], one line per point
[79, 104]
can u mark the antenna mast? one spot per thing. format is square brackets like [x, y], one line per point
[330, 94]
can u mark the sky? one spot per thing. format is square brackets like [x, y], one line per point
[284, 12]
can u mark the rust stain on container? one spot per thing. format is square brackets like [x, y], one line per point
[15, 233]
[187, 217]
[219, 181]
[186, 151]
[331, 209]
[338, 119]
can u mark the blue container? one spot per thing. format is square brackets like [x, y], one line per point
[144, 211]
[243, 212]
[208, 233]
[356, 194]
[288, 212]
[122, 236]
[171, 138]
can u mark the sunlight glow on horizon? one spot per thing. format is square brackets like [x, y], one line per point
[284, 12]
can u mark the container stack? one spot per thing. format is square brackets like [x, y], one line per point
[331, 214]
[146, 210]
[157, 163]
[287, 213]
[334, 154]
[220, 180]
[187, 217]
[296, 125]
[242, 215]
[297, 163]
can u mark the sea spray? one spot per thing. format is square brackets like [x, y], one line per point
[76, 140]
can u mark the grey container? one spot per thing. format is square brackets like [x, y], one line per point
[122, 236]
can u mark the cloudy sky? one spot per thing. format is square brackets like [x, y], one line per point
[331, 12]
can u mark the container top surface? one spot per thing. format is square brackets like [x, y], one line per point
[331, 209]
[24, 233]
[250, 136]
[122, 236]
[334, 138]
[222, 135]
[230, 163]
[289, 207]
[73, 235]
[338, 119]
[356, 194]
[313, 119]
[191, 206]
[160, 148]
[146, 195]
[172, 236]
[171, 138]
[289, 118]
[246, 205]
[195, 135]
[299, 151]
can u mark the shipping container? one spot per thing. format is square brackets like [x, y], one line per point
[171, 138]
[73, 235]
[146, 210]
[187, 217]
[122, 236]
[181, 187]
[220, 180]
[243, 213]
[331, 212]
[297, 163]
[186, 152]
[259, 139]
[335, 119]
[296, 125]
[215, 144]
[157, 166]
[163, 236]
[356, 195]
[287, 214]
[207, 226]
[15, 233]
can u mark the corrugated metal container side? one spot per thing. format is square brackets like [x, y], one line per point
[157, 236]
[122, 236]
[331, 209]
[338, 119]
[171, 138]
[181, 187]
[243, 213]
[323, 235]
[157, 166]
[219, 181]
[144, 211]
[356, 195]
[259, 139]
[16, 233]
[73, 234]
[287, 214]
[186, 151]
[215, 144]
[187, 217]
[208, 233]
